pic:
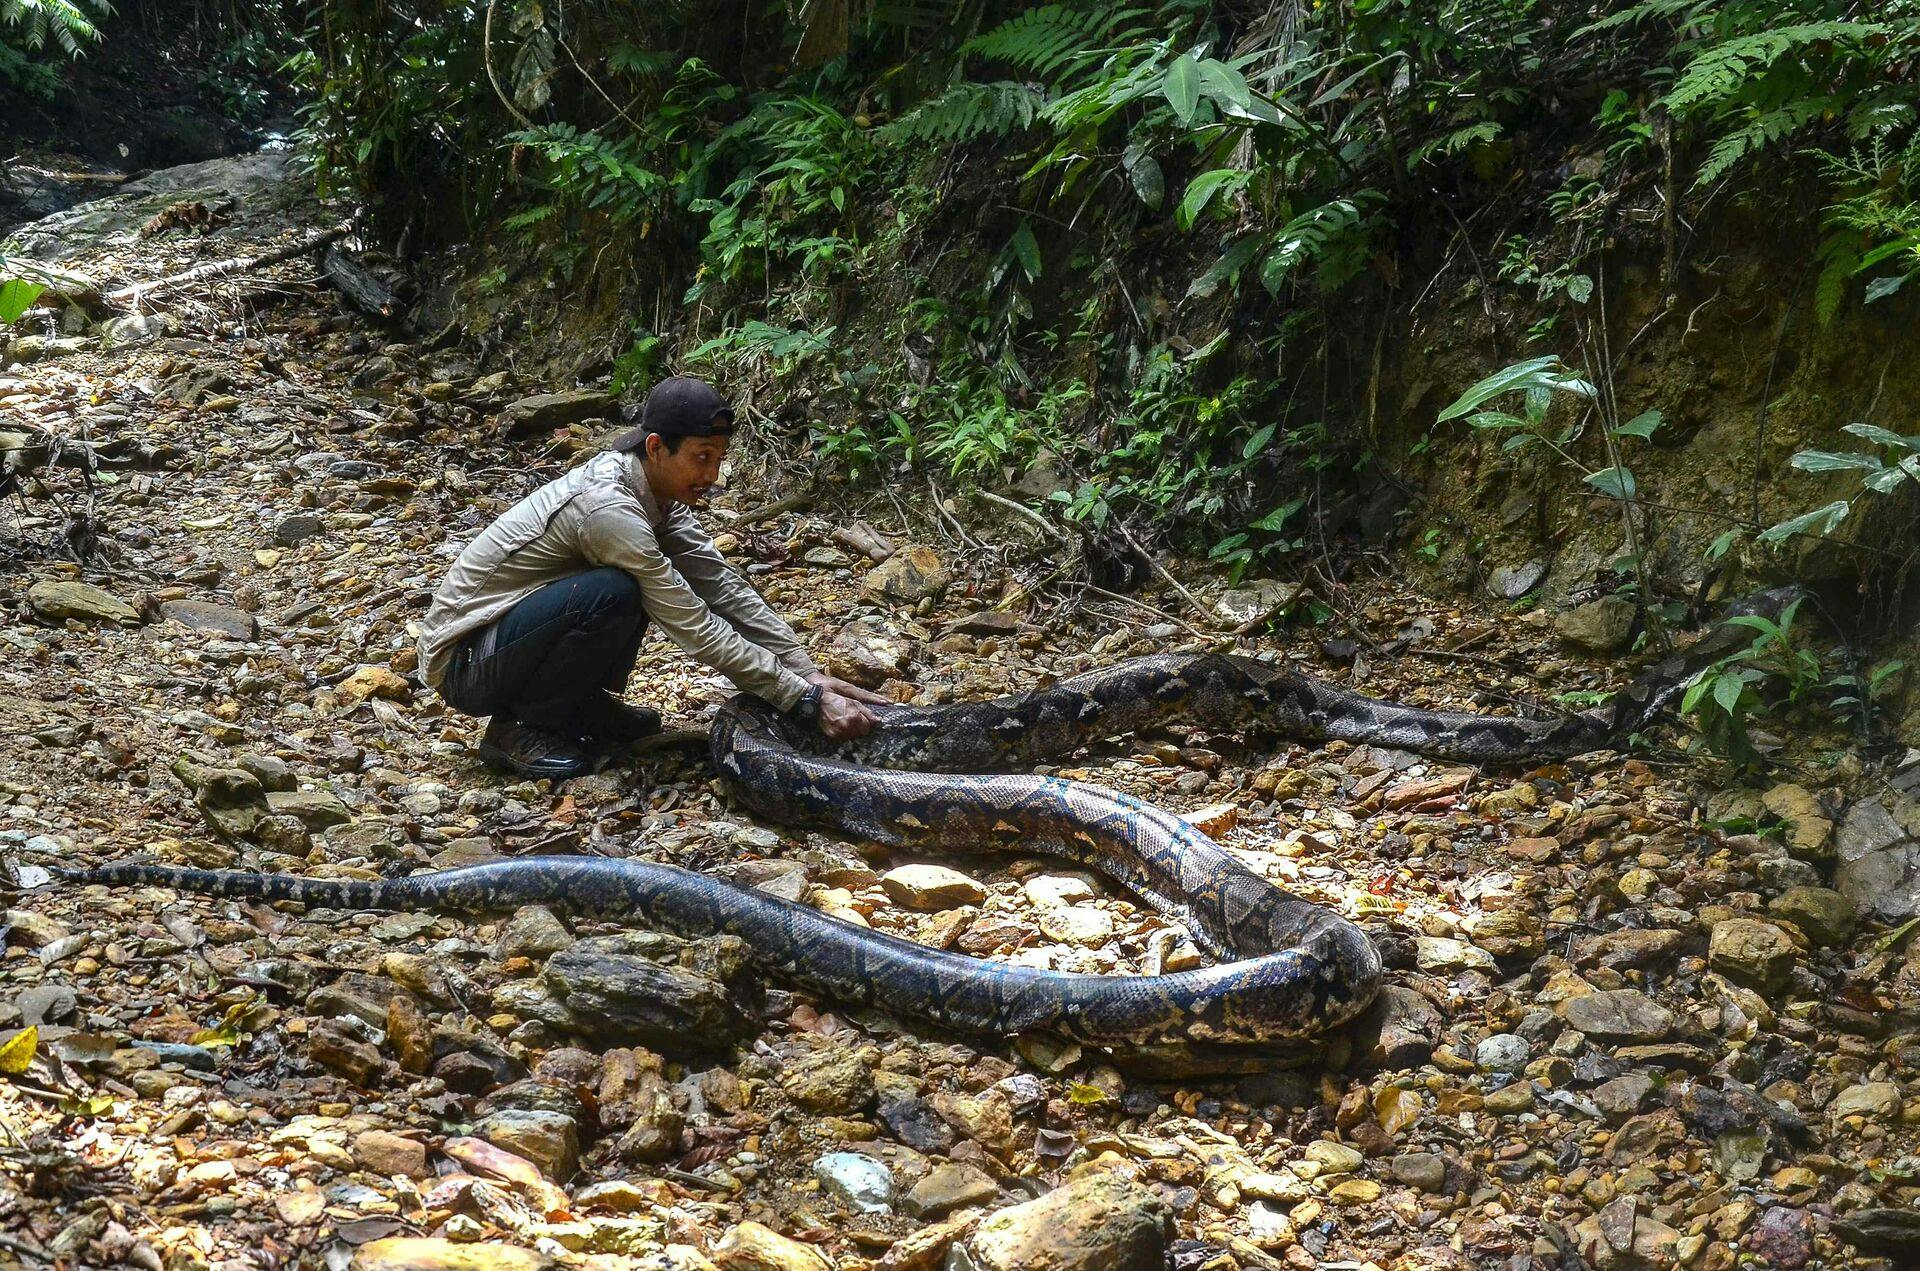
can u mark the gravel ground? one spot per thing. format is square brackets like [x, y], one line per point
[1638, 1014]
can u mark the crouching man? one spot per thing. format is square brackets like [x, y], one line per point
[539, 621]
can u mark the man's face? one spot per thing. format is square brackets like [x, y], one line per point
[688, 474]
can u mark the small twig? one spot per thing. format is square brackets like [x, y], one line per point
[24, 1249]
[1104, 594]
[779, 507]
[1158, 568]
[131, 296]
[486, 56]
[1046, 527]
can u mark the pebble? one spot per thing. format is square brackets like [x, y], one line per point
[931, 887]
[835, 1081]
[1623, 1015]
[1099, 1222]
[1750, 952]
[949, 1186]
[860, 1181]
[1502, 1052]
[1426, 1171]
[754, 1247]
[426, 1253]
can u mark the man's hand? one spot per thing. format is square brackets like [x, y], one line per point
[833, 684]
[842, 718]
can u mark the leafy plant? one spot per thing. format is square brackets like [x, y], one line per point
[1772, 671]
[1880, 474]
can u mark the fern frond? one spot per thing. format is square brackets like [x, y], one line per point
[968, 110]
[1718, 75]
[1763, 130]
[1049, 40]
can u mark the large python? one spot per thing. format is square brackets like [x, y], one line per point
[1285, 969]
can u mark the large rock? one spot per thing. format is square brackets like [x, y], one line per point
[1399, 1030]
[1101, 1222]
[865, 653]
[1618, 1015]
[555, 410]
[1750, 952]
[753, 1247]
[58, 599]
[645, 989]
[837, 1082]
[930, 887]
[951, 1185]
[1886, 1232]
[203, 615]
[910, 575]
[1809, 829]
[551, 1140]
[1599, 626]
[1879, 867]
[230, 799]
[424, 1253]
[1824, 914]
[315, 809]
[1621, 1238]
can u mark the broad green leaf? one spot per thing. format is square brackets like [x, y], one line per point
[1718, 548]
[1617, 482]
[1726, 692]
[17, 1053]
[1235, 258]
[1696, 691]
[1182, 88]
[1832, 514]
[1908, 469]
[1641, 425]
[16, 297]
[1201, 191]
[1027, 250]
[1498, 419]
[1831, 461]
[1882, 436]
[1226, 86]
[1579, 288]
[1258, 442]
[1539, 372]
[1143, 171]
[1881, 288]
[1276, 520]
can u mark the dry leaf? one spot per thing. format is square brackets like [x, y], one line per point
[18, 1050]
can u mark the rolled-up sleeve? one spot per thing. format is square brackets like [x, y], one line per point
[619, 537]
[728, 594]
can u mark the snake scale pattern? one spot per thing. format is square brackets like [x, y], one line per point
[946, 778]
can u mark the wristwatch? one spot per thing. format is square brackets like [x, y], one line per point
[808, 707]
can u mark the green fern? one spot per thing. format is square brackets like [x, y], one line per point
[1718, 76]
[68, 22]
[967, 111]
[1054, 38]
[1757, 134]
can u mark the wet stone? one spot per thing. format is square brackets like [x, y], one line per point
[1624, 1015]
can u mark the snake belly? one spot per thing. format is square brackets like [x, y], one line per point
[947, 777]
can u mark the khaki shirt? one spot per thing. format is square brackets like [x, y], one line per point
[604, 513]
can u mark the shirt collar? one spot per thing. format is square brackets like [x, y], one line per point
[634, 473]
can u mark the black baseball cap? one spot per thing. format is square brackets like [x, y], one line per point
[679, 407]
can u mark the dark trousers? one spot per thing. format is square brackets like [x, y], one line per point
[550, 660]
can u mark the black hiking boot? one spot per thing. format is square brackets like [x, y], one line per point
[615, 723]
[532, 752]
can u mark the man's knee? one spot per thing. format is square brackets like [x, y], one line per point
[612, 591]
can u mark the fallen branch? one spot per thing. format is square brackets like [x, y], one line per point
[1158, 568]
[130, 297]
[1046, 526]
[357, 283]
